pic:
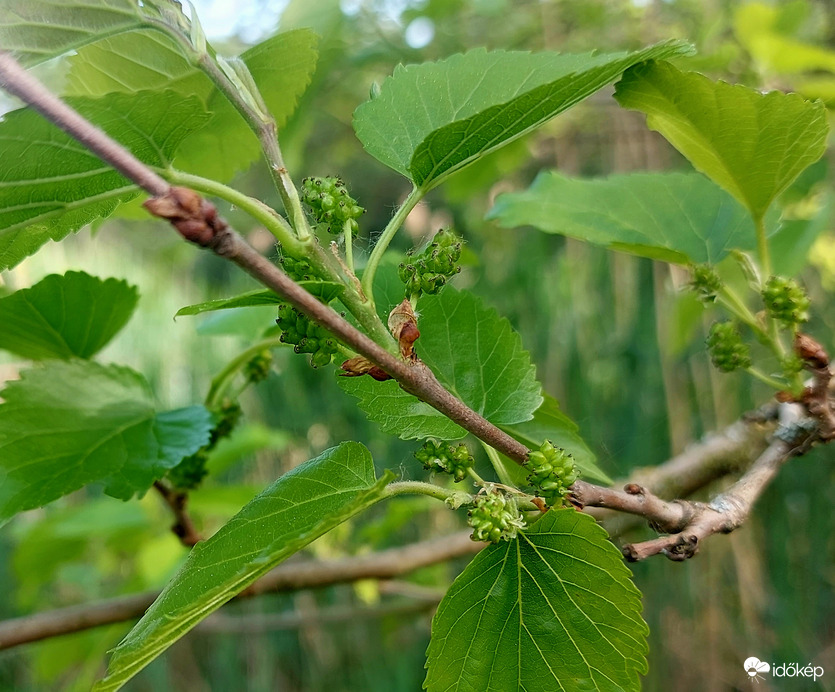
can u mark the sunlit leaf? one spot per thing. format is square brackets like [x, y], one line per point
[752, 144]
[432, 119]
[74, 315]
[675, 217]
[36, 30]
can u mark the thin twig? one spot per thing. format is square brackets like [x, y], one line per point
[183, 526]
[385, 564]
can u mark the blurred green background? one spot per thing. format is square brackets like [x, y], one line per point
[613, 337]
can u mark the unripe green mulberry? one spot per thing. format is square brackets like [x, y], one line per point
[330, 204]
[786, 301]
[259, 366]
[727, 350]
[706, 282]
[299, 269]
[188, 474]
[552, 472]
[429, 271]
[306, 336]
[495, 517]
[445, 458]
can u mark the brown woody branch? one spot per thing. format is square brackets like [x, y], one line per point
[716, 456]
[288, 577]
[183, 527]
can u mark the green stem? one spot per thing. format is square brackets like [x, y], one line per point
[265, 215]
[762, 247]
[733, 303]
[419, 488]
[497, 464]
[476, 478]
[349, 250]
[385, 239]
[221, 381]
[767, 379]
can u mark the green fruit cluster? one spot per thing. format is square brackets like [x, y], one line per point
[705, 282]
[786, 301]
[552, 472]
[299, 269]
[259, 366]
[445, 458]
[307, 336]
[495, 517]
[330, 204]
[188, 474]
[727, 349]
[429, 271]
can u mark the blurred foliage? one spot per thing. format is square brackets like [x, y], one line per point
[613, 337]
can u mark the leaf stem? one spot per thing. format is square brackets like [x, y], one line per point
[385, 239]
[767, 379]
[349, 249]
[419, 488]
[264, 214]
[498, 466]
[221, 381]
[762, 246]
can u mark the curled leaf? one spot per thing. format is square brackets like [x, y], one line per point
[403, 326]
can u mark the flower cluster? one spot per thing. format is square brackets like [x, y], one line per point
[445, 458]
[727, 349]
[188, 474]
[495, 517]
[706, 282]
[298, 269]
[552, 472]
[429, 271]
[307, 336]
[786, 301]
[330, 204]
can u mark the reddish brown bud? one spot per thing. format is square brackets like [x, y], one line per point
[812, 353]
[403, 326]
[358, 366]
[194, 217]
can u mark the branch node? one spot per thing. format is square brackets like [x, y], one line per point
[195, 218]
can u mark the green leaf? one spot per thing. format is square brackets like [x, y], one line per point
[432, 119]
[752, 144]
[324, 290]
[549, 423]
[65, 316]
[281, 67]
[52, 185]
[474, 353]
[554, 609]
[674, 217]
[299, 507]
[36, 30]
[69, 424]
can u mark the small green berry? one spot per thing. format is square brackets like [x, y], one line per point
[445, 458]
[429, 271]
[706, 282]
[495, 517]
[727, 350]
[552, 472]
[786, 301]
[330, 204]
[259, 366]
